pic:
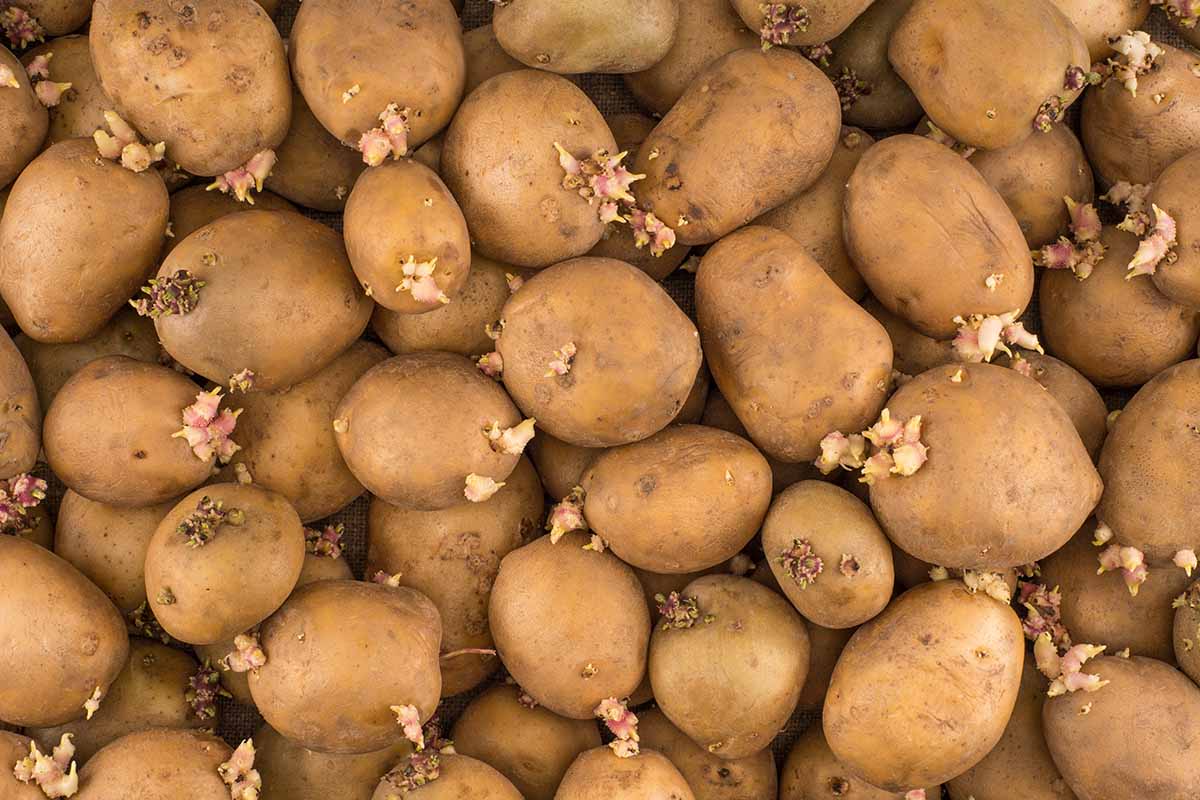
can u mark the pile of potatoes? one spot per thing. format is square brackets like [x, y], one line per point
[869, 477]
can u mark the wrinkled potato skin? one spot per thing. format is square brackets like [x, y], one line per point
[366, 647]
[289, 772]
[184, 765]
[58, 227]
[536, 760]
[193, 207]
[718, 414]
[453, 556]
[1175, 193]
[637, 352]
[314, 169]
[13, 748]
[791, 377]
[1147, 463]
[910, 202]
[136, 462]
[863, 47]
[23, 122]
[458, 777]
[755, 173]
[707, 30]
[827, 18]
[813, 771]
[1099, 20]
[1116, 332]
[560, 465]
[814, 217]
[20, 414]
[1155, 709]
[555, 609]
[485, 57]
[752, 656]
[597, 775]
[499, 180]
[288, 441]
[825, 645]
[912, 351]
[1074, 393]
[890, 732]
[279, 299]
[60, 634]
[216, 92]
[710, 777]
[81, 110]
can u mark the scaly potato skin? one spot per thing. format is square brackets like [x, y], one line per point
[813, 771]
[314, 169]
[20, 414]
[80, 112]
[59, 635]
[193, 207]
[459, 777]
[290, 772]
[597, 774]
[1099, 19]
[961, 657]
[827, 18]
[710, 777]
[209, 78]
[707, 175]
[160, 764]
[863, 47]
[23, 122]
[791, 353]
[1175, 192]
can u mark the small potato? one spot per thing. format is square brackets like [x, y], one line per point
[58, 224]
[704, 197]
[961, 656]
[39, 528]
[56, 17]
[863, 49]
[194, 207]
[824, 19]
[236, 683]
[23, 122]
[709, 776]
[400, 222]
[828, 554]
[289, 772]
[318, 567]
[1175, 192]
[184, 765]
[560, 465]
[913, 351]
[485, 57]
[597, 774]
[419, 454]
[926, 232]
[137, 460]
[1099, 19]
[80, 111]
[13, 748]
[731, 678]
[1116, 332]
[718, 414]
[458, 776]
[570, 624]
[356, 647]
[597, 352]
[20, 414]
[62, 637]
[1074, 393]
[510, 188]
[813, 771]
[314, 170]
[825, 645]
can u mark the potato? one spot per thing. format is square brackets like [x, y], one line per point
[109, 434]
[60, 634]
[709, 776]
[38, 529]
[697, 399]
[1151, 708]
[718, 414]
[13, 748]
[288, 442]
[703, 198]
[597, 774]
[279, 299]
[20, 415]
[825, 645]
[685, 499]
[80, 111]
[160, 764]
[1185, 28]
[108, 545]
[1099, 20]
[59, 223]
[814, 217]
[236, 683]
[1185, 633]
[23, 122]
[931, 202]
[635, 352]
[560, 465]
[452, 556]
[401, 219]
[1033, 176]
[1116, 332]
[863, 49]
[458, 776]
[194, 207]
[1174, 192]
[732, 678]
[844, 576]
[1074, 393]
[824, 19]
[938, 653]
[812, 770]
[314, 169]
[485, 57]
[420, 454]
[317, 567]
[1149, 489]
[913, 351]
[707, 30]
[216, 93]
[500, 181]
[406, 52]
[570, 624]
[994, 94]
[289, 772]
[791, 377]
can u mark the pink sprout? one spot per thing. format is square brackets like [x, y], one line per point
[599, 177]
[819, 54]
[39, 66]
[390, 138]
[144, 624]
[849, 565]
[1132, 197]
[419, 281]
[1155, 248]
[990, 583]
[8, 77]
[1129, 560]
[20, 27]
[514, 282]
[914, 794]
[247, 654]
[491, 364]
[424, 763]
[201, 525]
[510, 441]
[54, 773]
[1078, 78]
[326, 542]
[480, 488]
[242, 381]
[780, 22]
[981, 336]
[621, 723]
[900, 450]
[92, 704]
[596, 543]
[1043, 613]
[409, 720]
[1085, 220]
[1135, 55]
[1186, 13]
[880, 465]
[1049, 112]
[1103, 536]
[886, 431]
[239, 773]
[1185, 560]
[678, 611]
[561, 360]
[650, 230]
[247, 178]
[850, 88]
[173, 294]
[50, 94]
[840, 450]
[801, 563]
[207, 431]
[122, 144]
[525, 699]
[941, 137]
[567, 515]
[18, 495]
[203, 689]
[384, 579]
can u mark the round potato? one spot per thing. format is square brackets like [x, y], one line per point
[289, 772]
[13, 748]
[823, 19]
[1074, 393]
[458, 776]
[1178, 277]
[23, 121]
[314, 170]
[194, 207]
[80, 111]
[597, 774]
[485, 57]
[863, 50]
[20, 415]
[813, 771]
[1099, 20]
[718, 414]
[185, 764]
[560, 465]
[709, 776]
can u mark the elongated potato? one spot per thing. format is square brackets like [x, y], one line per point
[23, 122]
[20, 414]
[709, 776]
[597, 774]
[1174, 192]
[290, 772]
[813, 771]
[863, 49]
[80, 111]
[188, 763]
[314, 169]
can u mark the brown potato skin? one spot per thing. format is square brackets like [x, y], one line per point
[452, 556]
[20, 414]
[1174, 192]
[863, 48]
[536, 760]
[753, 656]
[184, 765]
[485, 57]
[1155, 708]
[962, 656]
[61, 635]
[366, 647]
[459, 776]
[1074, 393]
[236, 683]
[500, 181]
[58, 226]
[138, 406]
[718, 414]
[289, 772]
[687, 498]
[40, 528]
[1185, 633]
[710, 777]
[791, 377]
[323, 568]
[405, 52]
[419, 454]
[813, 771]
[1099, 20]
[216, 93]
[597, 774]
[825, 645]
[913, 352]
[314, 169]
[637, 352]
[13, 748]
[193, 207]
[1150, 492]
[555, 609]
[828, 18]
[755, 173]
[81, 110]
[947, 513]
[23, 122]
[400, 210]
[287, 436]
[560, 465]
[1116, 332]
[909, 203]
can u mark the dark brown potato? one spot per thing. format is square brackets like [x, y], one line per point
[185, 765]
[80, 112]
[20, 414]
[560, 465]
[23, 122]
[1074, 393]
[1175, 192]
[314, 169]
[863, 48]
[597, 774]
[193, 207]
[458, 776]
[1099, 19]
[813, 771]
[709, 776]
[290, 772]
[39, 528]
[485, 57]
[913, 352]
[718, 414]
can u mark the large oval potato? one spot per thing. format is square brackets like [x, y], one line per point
[80, 110]
[185, 765]
[813, 771]
[290, 772]
[20, 414]
[924, 691]
[1175, 192]
[23, 121]
[314, 169]
[193, 207]
[1072, 390]
[863, 49]
[709, 776]
[1099, 19]
[597, 774]
[791, 353]
[458, 776]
